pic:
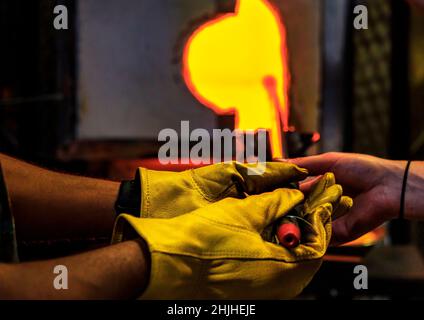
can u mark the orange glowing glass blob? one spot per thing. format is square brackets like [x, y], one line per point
[237, 63]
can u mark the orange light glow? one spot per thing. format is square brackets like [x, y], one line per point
[237, 64]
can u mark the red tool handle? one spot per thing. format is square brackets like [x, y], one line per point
[288, 234]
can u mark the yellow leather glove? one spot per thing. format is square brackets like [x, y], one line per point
[216, 252]
[167, 194]
[327, 191]
[324, 200]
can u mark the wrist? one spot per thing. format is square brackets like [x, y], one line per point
[414, 192]
[144, 279]
[393, 173]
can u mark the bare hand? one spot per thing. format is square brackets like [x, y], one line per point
[374, 184]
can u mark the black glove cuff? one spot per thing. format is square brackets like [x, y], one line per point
[8, 243]
[129, 198]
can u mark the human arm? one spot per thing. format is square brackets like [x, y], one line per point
[120, 271]
[52, 205]
[213, 252]
[375, 185]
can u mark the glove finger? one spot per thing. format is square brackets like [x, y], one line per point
[342, 207]
[273, 175]
[330, 195]
[258, 211]
[233, 179]
[321, 221]
[326, 181]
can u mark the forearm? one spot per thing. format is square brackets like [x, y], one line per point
[51, 205]
[115, 272]
[414, 192]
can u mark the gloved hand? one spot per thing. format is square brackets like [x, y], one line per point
[216, 252]
[325, 199]
[327, 191]
[169, 194]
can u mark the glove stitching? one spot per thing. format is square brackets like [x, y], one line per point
[198, 187]
[317, 254]
[244, 230]
[236, 228]
[147, 194]
[204, 193]
[237, 255]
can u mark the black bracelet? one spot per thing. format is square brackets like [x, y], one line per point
[402, 196]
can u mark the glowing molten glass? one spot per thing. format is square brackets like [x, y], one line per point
[237, 63]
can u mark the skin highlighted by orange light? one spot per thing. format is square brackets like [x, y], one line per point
[237, 64]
